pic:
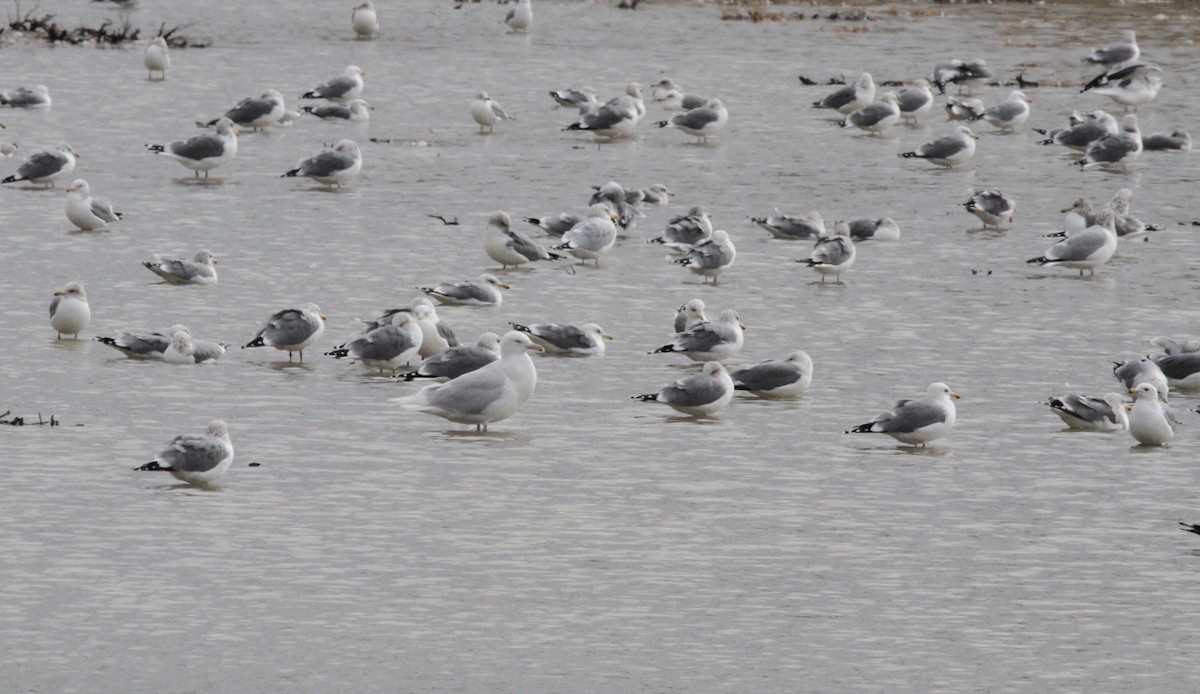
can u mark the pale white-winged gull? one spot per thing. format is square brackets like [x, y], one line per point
[46, 167]
[560, 338]
[157, 58]
[84, 211]
[1089, 128]
[291, 330]
[833, 254]
[882, 229]
[788, 226]
[777, 378]
[256, 113]
[992, 207]
[487, 112]
[69, 310]
[481, 291]
[348, 86]
[686, 230]
[1009, 114]
[963, 108]
[668, 95]
[851, 97]
[591, 238]
[354, 110]
[1182, 370]
[510, 247]
[459, 360]
[1149, 420]
[916, 422]
[1178, 140]
[1086, 250]
[202, 269]
[1118, 150]
[331, 167]
[36, 98]
[711, 340]
[199, 459]
[203, 152]
[700, 122]
[948, 151]
[689, 316]
[364, 20]
[711, 257]
[519, 18]
[387, 347]
[699, 395]
[488, 394]
[1090, 412]
[1133, 372]
[914, 100]
[876, 117]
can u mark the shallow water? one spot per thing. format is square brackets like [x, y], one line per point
[592, 543]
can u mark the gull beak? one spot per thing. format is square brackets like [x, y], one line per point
[1066, 209]
[954, 395]
[60, 293]
[3, 126]
[741, 325]
[1128, 407]
[321, 315]
[214, 261]
[536, 348]
[503, 285]
[606, 336]
[973, 135]
[76, 154]
[70, 190]
[363, 73]
[1133, 390]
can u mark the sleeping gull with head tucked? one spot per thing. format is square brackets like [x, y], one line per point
[686, 230]
[481, 291]
[591, 238]
[992, 207]
[157, 58]
[777, 378]
[292, 330]
[851, 97]
[699, 395]
[1119, 150]
[834, 254]
[566, 339]
[1009, 114]
[198, 459]
[354, 110]
[787, 226]
[1089, 412]
[36, 98]
[459, 360]
[364, 20]
[348, 86]
[875, 118]
[916, 422]
[332, 167]
[700, 122]
[203, 152]
[882, 229]
[947, 151]
[711, 257]
[255, 113]
[46, 167]
[387, 347]
[711, 340]
[200, 270]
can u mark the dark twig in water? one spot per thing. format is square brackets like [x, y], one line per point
[451, 221]
[33, 25]
[20, 421]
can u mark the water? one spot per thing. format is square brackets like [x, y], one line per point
[591, 543]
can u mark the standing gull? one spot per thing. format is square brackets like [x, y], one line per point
[614, 196]
[618, 117]
[1009, 114]
[834, 254]
[711, 257]
[1091, 413]
[1131, 87]
[686, 230]
[1087, 250]
[203, 152]
[1119, 150]
[156, 58]
[387, 347]
[700, 122]
[914, 100]
[488, 394]
[916, 422]
[69, 310]
[481, 291]
[851, 97]
[699, 395]
[709, 341]
[786, 226]
[354, 110]
[348, 86]
[86, 212]
[875, 118]
[591, 238]
[947, 151]
[256, 113]
[196, 459]
[487, 112]
[364, 20]
[46, 167]
[992, 207]
[1149, 421]
[200, 270]
[331, 167]
[36, 98]
[520, 17]
[508, 246]
[588, 338]
[292, 329]
[459, 360]
[773, 379]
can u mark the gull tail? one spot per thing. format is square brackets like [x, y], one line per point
[520, 328]
[863, 429]
[1190, 527]
[152, 466]
[664, 348]
[662, 123]
[649, 397]
[909, 155]
[11, 179]
[1040, 260]
[338, 352]
[256, 342]
[288, 174]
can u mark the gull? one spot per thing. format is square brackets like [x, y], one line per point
[882, 229]
[354, 110]
[685, 231]
[153, 345]
[459, 360]
[851, 97]
[947, 151]
[777, 378]
[1134, 372]
[86, 212]
[332, 167]
[1125, 51]
[555, 224]
[1086, 250]
[198, 459]
[1009, 114]
[1129, 86]
[200, 270]
[833, 254]
[618, 117]
[437, 336]
[46, 167]
[574, 98]
[510, 247]
[1181, 370]
[875, 118]
[157, 58]
[699, 395]
[292, 329]
[1115, 150]
[656, 195]
[1128, 227]
[559, 338]
[964, 73]
[348, 86]
[203, 152]
[914, 100]
[1172, 346]
[591, 238]
[1149, 420]
[700, 122]
[672, 98]
[689, 316]
[180, 349]
[1079, 136]
[992, 207]
[711, 257]
[520, 17]
[481, 291]
[614, 196]
[916, 422]
[1089, 412]
[69, 310]
[1178, 140]
[488, 394]
[786, 226]
[487, 112]
[364, 20]
[7, 149]
[711, 340]
[387, 347]
[963, 109]
[36, 98]
[255, 113]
